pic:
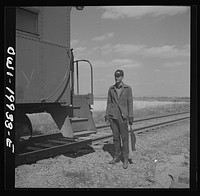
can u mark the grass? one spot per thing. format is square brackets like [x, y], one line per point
[151, 98]
[149, 110]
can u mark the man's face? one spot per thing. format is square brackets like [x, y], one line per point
[118, 79]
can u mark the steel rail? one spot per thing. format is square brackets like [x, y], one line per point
[40, 138]
[61, 145]
[141, 129]
[150, 118]
[49, 150]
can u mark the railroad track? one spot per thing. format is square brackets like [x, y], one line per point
[46, 146]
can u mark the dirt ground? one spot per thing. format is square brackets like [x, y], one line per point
[161, 160]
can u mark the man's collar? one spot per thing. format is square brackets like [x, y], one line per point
[118, 86]
[121, 85]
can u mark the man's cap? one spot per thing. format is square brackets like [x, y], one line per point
[119, 72]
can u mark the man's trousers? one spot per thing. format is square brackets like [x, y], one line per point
[119, 128]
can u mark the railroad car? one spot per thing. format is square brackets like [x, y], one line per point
[45, 69]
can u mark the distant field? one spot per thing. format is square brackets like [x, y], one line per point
[174, 99]
[143, 108]
[139, 103]
[100, 105]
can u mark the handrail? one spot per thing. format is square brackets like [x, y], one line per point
[91, 72]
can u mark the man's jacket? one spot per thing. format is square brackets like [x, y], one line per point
[124, 102]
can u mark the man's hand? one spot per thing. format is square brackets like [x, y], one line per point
[131, 119]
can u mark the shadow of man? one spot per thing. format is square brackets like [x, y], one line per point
[111, 150]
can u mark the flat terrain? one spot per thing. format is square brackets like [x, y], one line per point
[159, 154]
[160, 161]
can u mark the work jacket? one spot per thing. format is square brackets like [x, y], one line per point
[124, 102]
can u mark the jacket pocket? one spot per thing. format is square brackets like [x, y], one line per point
[124, 111]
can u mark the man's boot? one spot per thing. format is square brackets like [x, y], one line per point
[114, 160]
[125, 163]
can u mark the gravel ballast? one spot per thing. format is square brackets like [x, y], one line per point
[160, 161]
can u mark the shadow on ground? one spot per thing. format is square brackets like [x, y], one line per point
[78, 153]
[111, 150]
[88, 149]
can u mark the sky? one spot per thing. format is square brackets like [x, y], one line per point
[151, 44]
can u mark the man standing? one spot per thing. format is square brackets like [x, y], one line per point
[119, 113]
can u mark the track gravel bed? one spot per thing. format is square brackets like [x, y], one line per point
[161, 157]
